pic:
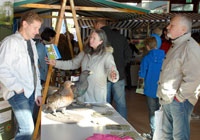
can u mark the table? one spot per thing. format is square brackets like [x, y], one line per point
[86, 127]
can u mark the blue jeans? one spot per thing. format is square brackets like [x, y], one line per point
[23, 109]
[176, 120]
[118, 92]
[153, 105]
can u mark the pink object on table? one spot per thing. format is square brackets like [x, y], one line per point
[108, 137]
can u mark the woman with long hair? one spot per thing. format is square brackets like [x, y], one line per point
[96, 57]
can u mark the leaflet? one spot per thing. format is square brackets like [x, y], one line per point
[52, 51]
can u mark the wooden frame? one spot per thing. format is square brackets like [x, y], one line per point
[97, 9]
[58, 28]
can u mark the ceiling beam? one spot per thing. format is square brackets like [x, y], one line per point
[97, 9]
[68, 17]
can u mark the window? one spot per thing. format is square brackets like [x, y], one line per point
[182, 7]
[70, 24]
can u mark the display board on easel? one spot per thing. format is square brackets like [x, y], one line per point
[7, 127]
[6, 18]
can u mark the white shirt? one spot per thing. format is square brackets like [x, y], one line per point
[15, 66]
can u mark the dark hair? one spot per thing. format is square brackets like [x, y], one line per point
[47, 33]
[29, 17]
[63, 48]
[116, 30]
[196, 37]
[151, 42]
[101, 48]
[163, 32]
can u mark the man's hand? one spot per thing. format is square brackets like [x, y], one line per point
[38, 101]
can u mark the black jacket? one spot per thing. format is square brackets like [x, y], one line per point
[122, 52]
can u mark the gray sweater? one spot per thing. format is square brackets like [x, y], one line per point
[101, 66]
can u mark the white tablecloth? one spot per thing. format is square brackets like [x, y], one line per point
[53, 130]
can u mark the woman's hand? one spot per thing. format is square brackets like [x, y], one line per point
[50, 61]
[113, 74]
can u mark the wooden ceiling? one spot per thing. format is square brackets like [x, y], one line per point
[84, 8]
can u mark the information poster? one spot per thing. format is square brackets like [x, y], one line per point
[7, 126]
[52, 51]
[6, 18]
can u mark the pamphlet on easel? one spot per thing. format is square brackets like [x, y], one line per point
[52, 51]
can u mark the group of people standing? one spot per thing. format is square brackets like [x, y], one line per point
[19, 69]
[106, 53]
[170, 80]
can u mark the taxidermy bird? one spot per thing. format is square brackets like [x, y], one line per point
[61, 98]
[81, 85]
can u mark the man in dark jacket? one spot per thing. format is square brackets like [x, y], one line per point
[122, 55]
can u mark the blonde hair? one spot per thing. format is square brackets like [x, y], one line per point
[29, 17]
[151, 42]
[157, 31]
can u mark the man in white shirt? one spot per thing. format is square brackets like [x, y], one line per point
[20, 75]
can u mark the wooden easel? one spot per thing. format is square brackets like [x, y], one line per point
[58, 28]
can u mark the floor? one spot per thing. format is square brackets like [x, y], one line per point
[138, 114]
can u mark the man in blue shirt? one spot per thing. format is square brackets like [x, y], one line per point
[47, 36]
